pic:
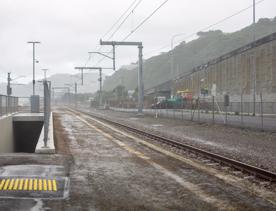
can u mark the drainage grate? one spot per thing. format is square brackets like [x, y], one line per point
[33, 187]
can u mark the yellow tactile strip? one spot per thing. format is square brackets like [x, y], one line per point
[28, 184]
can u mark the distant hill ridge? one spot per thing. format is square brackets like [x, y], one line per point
[91, 84]
[209, 45]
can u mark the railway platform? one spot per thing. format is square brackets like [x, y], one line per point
[110, 169]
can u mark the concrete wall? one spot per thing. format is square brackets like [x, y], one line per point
[6, 135]
[232, 73]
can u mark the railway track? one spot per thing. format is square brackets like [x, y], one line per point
[241, 166]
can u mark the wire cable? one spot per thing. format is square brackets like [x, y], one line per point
[120, 25]
[145, 20]
[139, 25]
[210, 26]
[124, 20]
[119, 19]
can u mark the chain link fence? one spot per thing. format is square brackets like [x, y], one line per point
[8, 104]
[210, 111]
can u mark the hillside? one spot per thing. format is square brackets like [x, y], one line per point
[207, 46]
[91, 84]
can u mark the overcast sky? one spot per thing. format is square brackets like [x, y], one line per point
[68, 29]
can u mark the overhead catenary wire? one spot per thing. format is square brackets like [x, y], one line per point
[131, 8]
[124, 20]
[119, 19]
[207, 27]
[140, 25]
[145, 20]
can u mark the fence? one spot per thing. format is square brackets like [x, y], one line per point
[203, 110]
[8, 104]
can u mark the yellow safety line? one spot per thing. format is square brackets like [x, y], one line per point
[15, 184]
[21, 184]
[26, 184]
[11, 184]
[35, 184]
[54, 185]
[40, 184]
[31, 184]
[45, 185]
[2, 183]
[6, 184]
[50, 185]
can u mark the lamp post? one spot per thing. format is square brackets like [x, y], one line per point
[33, 43]
[45, 73]
[172, 56]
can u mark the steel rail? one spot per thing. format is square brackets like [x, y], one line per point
[244, 167]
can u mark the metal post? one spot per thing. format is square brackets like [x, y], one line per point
[45, 73]
[140, 72]
[33, 43]
[254, 59]
[213, 109]
[6, 105]
[9, 85]
[45, 114]
[114, 64]
[262, 114]
[198, 109]
[76, 92]
[241, 109]
[81, 76]
[1, 105]
[33, 69]
[182, 108]
[140, 81]
[100, 94]
[226, 112]
[192, 107]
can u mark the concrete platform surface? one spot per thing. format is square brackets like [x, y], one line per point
[110, 170]
[25, 117]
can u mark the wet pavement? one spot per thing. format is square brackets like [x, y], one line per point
[110, 170]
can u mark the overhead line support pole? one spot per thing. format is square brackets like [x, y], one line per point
[33, 43]
[109, 57]
[100, 78]
[140, 70]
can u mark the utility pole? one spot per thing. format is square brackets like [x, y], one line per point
[76, 88]
[140, 72]
[63, 88]
[254, 60]
[81, 69]
[100, 79]
[33, 43]
[113, 51]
